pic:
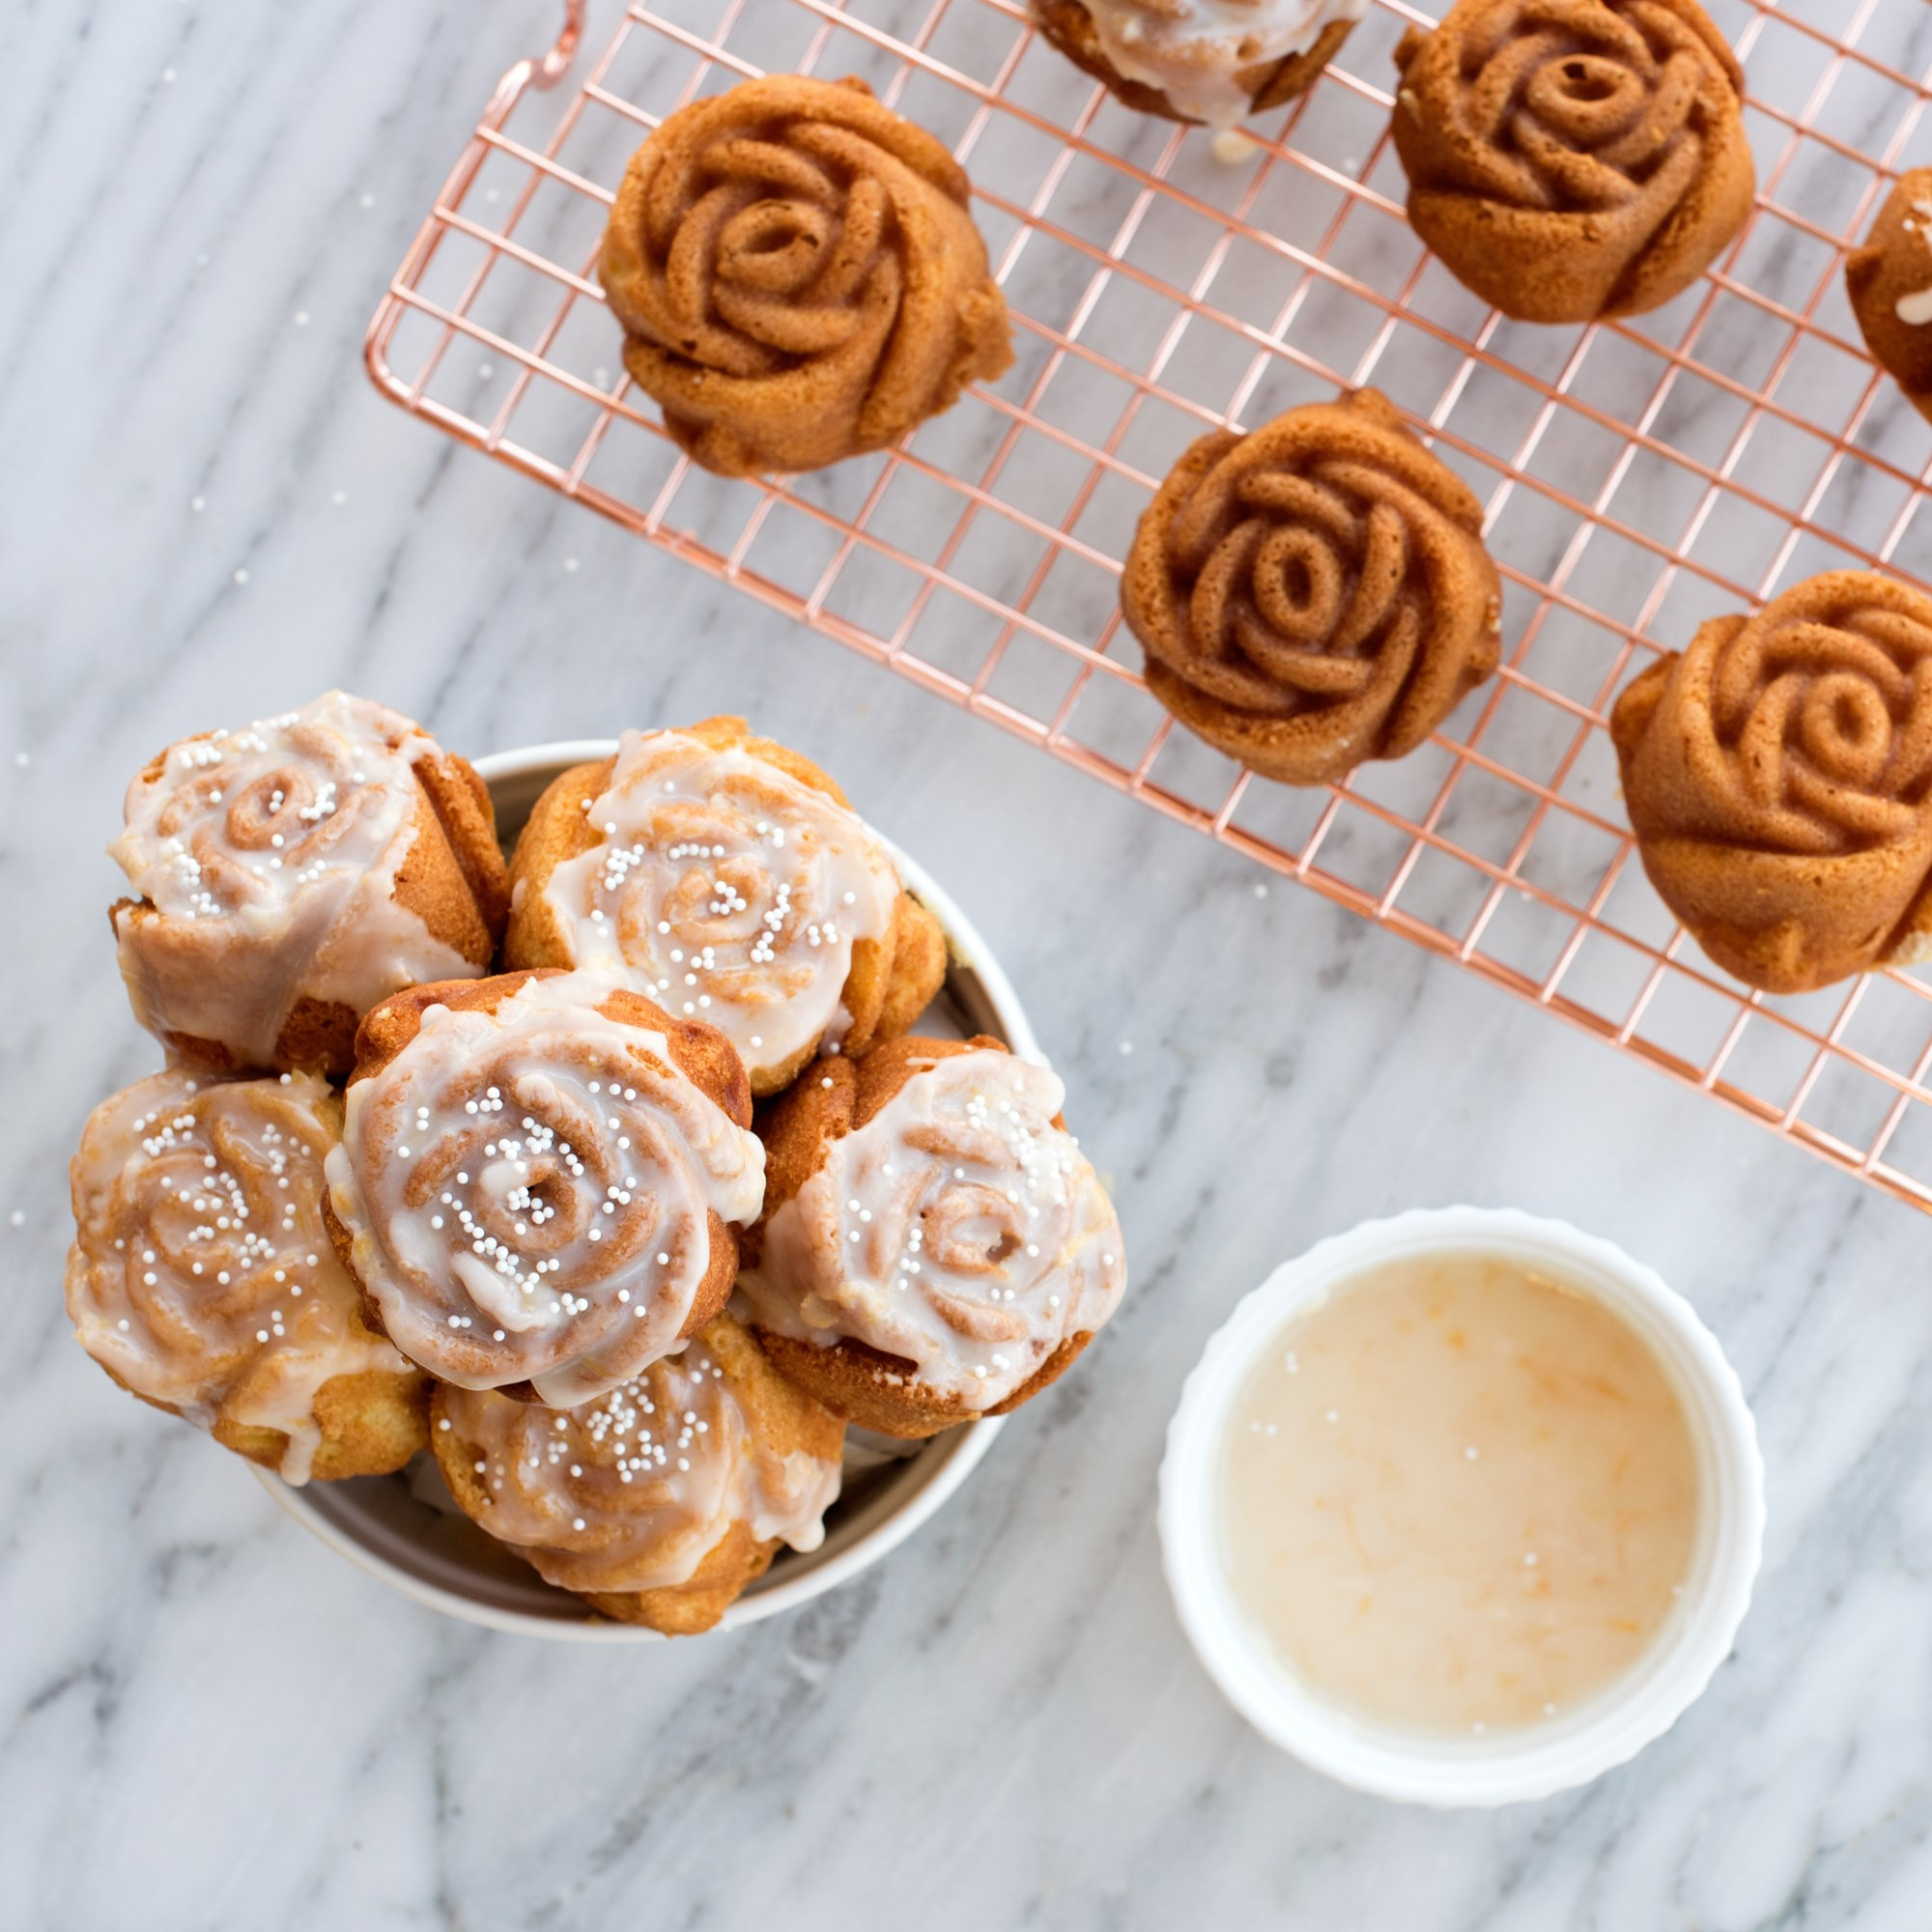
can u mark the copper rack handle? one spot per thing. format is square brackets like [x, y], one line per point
[555, 63]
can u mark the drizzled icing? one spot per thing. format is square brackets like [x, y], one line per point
[1915, 308]
[272, 854]
[727, 891]
[1194, 51]
[527, 1192]
[200, 1274]
[632, 1492]
[958, 1229]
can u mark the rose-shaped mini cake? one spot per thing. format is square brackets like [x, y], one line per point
[661, 1502]
[1889, 281]
[295, 872]
[798, 276]
[935, 1246]
[1314, 593]
[1573, 158]
[726, 876]
[540, 1180]
[1200, 60]
[201, 1278]
[1778, 775]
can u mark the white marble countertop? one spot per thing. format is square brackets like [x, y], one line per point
[208, 1720]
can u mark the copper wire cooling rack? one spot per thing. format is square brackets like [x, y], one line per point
[1638, 476]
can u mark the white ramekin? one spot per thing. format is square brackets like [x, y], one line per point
[404, 1530]
[1508, 1767]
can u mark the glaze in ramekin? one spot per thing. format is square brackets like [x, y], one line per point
[1505, 1767]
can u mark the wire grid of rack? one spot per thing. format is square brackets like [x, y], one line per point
[1638, 476]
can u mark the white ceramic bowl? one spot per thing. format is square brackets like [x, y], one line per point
[406, 1530]
[1507, 1767]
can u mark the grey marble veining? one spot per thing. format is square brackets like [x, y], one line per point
[209, 1721]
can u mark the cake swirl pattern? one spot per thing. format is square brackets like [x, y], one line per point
[201, 1277]
[1573, 158]
[798, 275]
[294, 872]
[954, 1228]
[1778, 773]
[1314, 593]
[727, 887]
[538, 1181]
[693, 1471]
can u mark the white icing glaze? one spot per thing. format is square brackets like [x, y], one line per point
[271, 853]
[526, 1192]
[728, 891]
[633, 1490]
[200, 1274]
[1916, 308]
[958, 1229]
[1193, 51]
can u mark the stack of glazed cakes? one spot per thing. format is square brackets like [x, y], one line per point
[460, 1153]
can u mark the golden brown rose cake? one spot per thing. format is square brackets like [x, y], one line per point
[540, 1180]
[1200, 60]
[201, 1279]
[1314, 593]
[798, 276]
[935, 1246]
[726, 876]
[1889, 281]
[662, 1500]
[295, 871]
[1777, 774]
[1573, 158]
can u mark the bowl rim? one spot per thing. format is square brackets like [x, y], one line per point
[949, 1458]
[1508, 1767]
